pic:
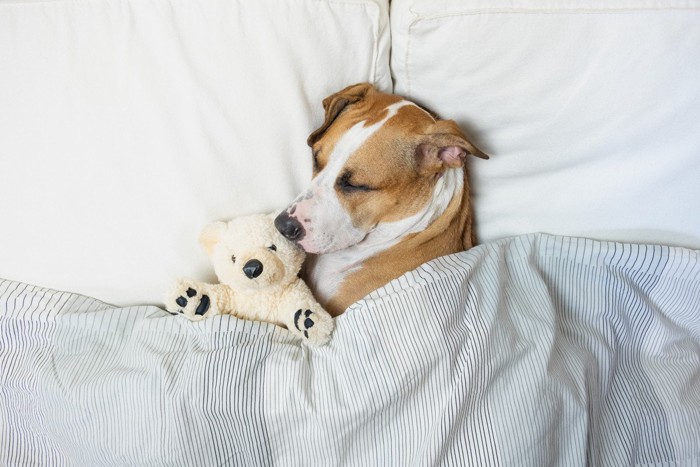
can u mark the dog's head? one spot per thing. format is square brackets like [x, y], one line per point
[379, 164]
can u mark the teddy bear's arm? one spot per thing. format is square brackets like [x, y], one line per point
[304, 316]
[199, 300]
[223, 296]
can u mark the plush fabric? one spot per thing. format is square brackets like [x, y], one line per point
[126, 126]
[258, 279]
[530, 351]
[589, 109]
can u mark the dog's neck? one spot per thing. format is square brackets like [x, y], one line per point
[340, 278]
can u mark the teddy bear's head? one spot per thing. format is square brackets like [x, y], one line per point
[249, 252]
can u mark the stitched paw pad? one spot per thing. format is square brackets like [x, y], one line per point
[187, 298]
[314, 326]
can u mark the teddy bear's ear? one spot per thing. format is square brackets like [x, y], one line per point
[211, 235]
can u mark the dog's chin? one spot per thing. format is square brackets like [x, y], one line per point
[319, 247]
[311, 249]
[316, 248]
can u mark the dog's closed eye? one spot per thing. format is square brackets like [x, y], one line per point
[346, 185]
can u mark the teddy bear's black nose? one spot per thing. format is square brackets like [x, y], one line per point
[253, 268]
[289, 226]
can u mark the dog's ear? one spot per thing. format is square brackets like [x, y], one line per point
[445, 146]
[211, 235]
[335, 103]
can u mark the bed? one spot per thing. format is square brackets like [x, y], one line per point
[569, 336]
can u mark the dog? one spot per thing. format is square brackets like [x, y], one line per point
[389, 192]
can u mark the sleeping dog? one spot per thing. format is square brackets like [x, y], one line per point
[389, 192]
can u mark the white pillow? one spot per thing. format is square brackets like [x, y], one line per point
[126, 126]
[591, 111]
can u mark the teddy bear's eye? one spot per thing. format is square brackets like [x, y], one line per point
[272, 247]
[233, 258]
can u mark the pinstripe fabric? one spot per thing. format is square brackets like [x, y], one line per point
[535, 350]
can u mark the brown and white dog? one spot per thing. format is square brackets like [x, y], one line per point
[389, 192]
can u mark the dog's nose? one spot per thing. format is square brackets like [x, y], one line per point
[253, 268]
[290, 227]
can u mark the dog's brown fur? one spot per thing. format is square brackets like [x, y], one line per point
[450, 233]
[401, 163]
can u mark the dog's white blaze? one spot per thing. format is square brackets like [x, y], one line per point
[330, 227]
[329, 270]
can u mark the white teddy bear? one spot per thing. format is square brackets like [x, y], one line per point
[258, 273]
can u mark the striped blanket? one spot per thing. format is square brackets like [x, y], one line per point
[535, 350]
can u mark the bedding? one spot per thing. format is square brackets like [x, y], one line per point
[587, 107]
[531, 350]
[126, 126]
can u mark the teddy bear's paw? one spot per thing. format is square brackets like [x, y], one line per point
[315, 327]
[187, 299]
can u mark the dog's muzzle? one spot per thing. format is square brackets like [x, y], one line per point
[290, 227]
